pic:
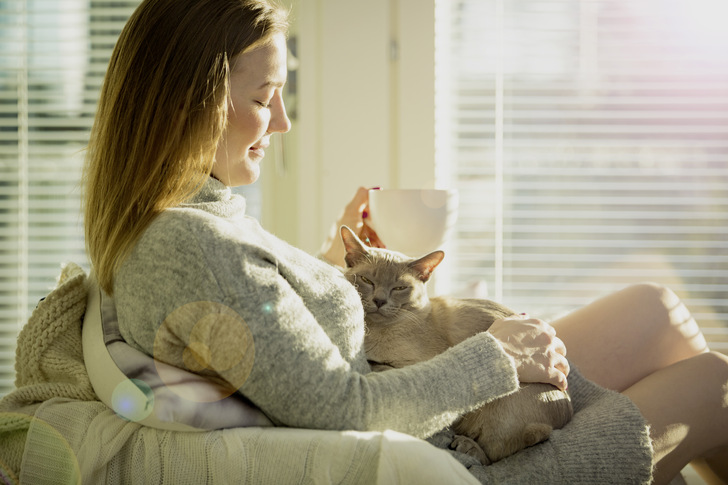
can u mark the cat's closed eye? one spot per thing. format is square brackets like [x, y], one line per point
[400, 288]
[365, 280]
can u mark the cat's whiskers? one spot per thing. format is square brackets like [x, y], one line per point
[370, 347]
[408, 315]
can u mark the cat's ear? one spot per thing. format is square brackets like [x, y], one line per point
[355, 249]
[427, 264]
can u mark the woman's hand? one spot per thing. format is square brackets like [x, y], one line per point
[539, 355]
[354, 215]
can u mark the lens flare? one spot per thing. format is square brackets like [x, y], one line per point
[133, 400]
[205, 338]
[44, 446]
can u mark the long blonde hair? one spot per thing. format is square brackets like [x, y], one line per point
[161, 113]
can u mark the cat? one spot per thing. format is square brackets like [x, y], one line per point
[404, 326]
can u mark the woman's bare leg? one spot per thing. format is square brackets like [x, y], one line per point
[626, 336]
[644, 342]
[686, 405]
[713, 467]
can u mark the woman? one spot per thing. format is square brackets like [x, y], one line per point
[192, 96]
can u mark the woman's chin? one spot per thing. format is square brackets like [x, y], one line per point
[244, 177]
[234, 171]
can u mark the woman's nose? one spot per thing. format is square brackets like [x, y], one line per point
[279, 122]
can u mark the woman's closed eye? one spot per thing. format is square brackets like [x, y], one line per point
[263, 104]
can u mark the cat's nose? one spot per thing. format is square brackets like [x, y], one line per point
[379, 302]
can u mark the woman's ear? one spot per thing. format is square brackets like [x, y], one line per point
[355, 249]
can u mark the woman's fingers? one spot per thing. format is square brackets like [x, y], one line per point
[557, 365]
[359, 211]
[370, 237]
[559, 345]
[353, 216]
[354, 210]
[561, 371]
[539, 355]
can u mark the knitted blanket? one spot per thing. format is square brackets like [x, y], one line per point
[49, 364]
[49, 355]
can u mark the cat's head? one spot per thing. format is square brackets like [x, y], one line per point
[391, 284]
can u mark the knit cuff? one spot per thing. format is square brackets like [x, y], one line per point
[492, 372]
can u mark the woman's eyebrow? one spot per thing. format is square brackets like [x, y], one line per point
[272, 84]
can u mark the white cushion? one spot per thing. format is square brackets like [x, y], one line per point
[141, 389]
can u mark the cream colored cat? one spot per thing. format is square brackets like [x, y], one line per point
[405, 326]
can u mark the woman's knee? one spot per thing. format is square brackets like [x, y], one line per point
[673, 328]
[655, 298]
[660, 303]
[716, 365]
[709, 380]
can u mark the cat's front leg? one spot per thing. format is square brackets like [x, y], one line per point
[469, 446]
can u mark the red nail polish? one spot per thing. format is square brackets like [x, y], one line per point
[364, 215]
[376, 188]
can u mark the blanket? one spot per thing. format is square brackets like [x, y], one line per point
[49, 364]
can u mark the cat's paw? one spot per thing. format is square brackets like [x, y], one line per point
[470, 447]
[535, 433]
[381, 367]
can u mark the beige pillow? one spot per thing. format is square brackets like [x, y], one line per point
[141, 389]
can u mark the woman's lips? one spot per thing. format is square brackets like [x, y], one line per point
[258, 151]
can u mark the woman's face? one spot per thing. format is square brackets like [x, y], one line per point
[255, 112]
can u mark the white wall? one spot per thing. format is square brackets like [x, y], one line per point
[365, 111]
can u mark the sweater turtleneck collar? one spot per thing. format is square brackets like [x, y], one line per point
[217, 198]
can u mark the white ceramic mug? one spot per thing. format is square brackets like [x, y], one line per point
[412, 221]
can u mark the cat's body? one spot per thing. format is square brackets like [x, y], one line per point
[405, 326]
[421, 333]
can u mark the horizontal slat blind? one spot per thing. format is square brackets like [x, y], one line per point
[589, 142]
[53, 55]
[53, 58]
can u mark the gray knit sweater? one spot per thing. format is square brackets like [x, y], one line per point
[307, 326]
[306, 322]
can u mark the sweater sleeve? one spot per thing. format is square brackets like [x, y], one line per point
[275, 352]
[300, 378]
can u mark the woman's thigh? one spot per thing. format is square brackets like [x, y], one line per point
[686, 406]
[623, 337]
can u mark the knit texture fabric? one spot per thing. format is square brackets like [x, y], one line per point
[49, 359]
[307, 332]
[288, 329]
[48, 364]
[53, 430]
[606, 442]
[308, 370]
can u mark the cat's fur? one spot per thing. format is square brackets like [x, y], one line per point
[405, 326]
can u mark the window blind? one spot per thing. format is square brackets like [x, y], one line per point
[53, 58]
[589, 142]
[53, 55]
